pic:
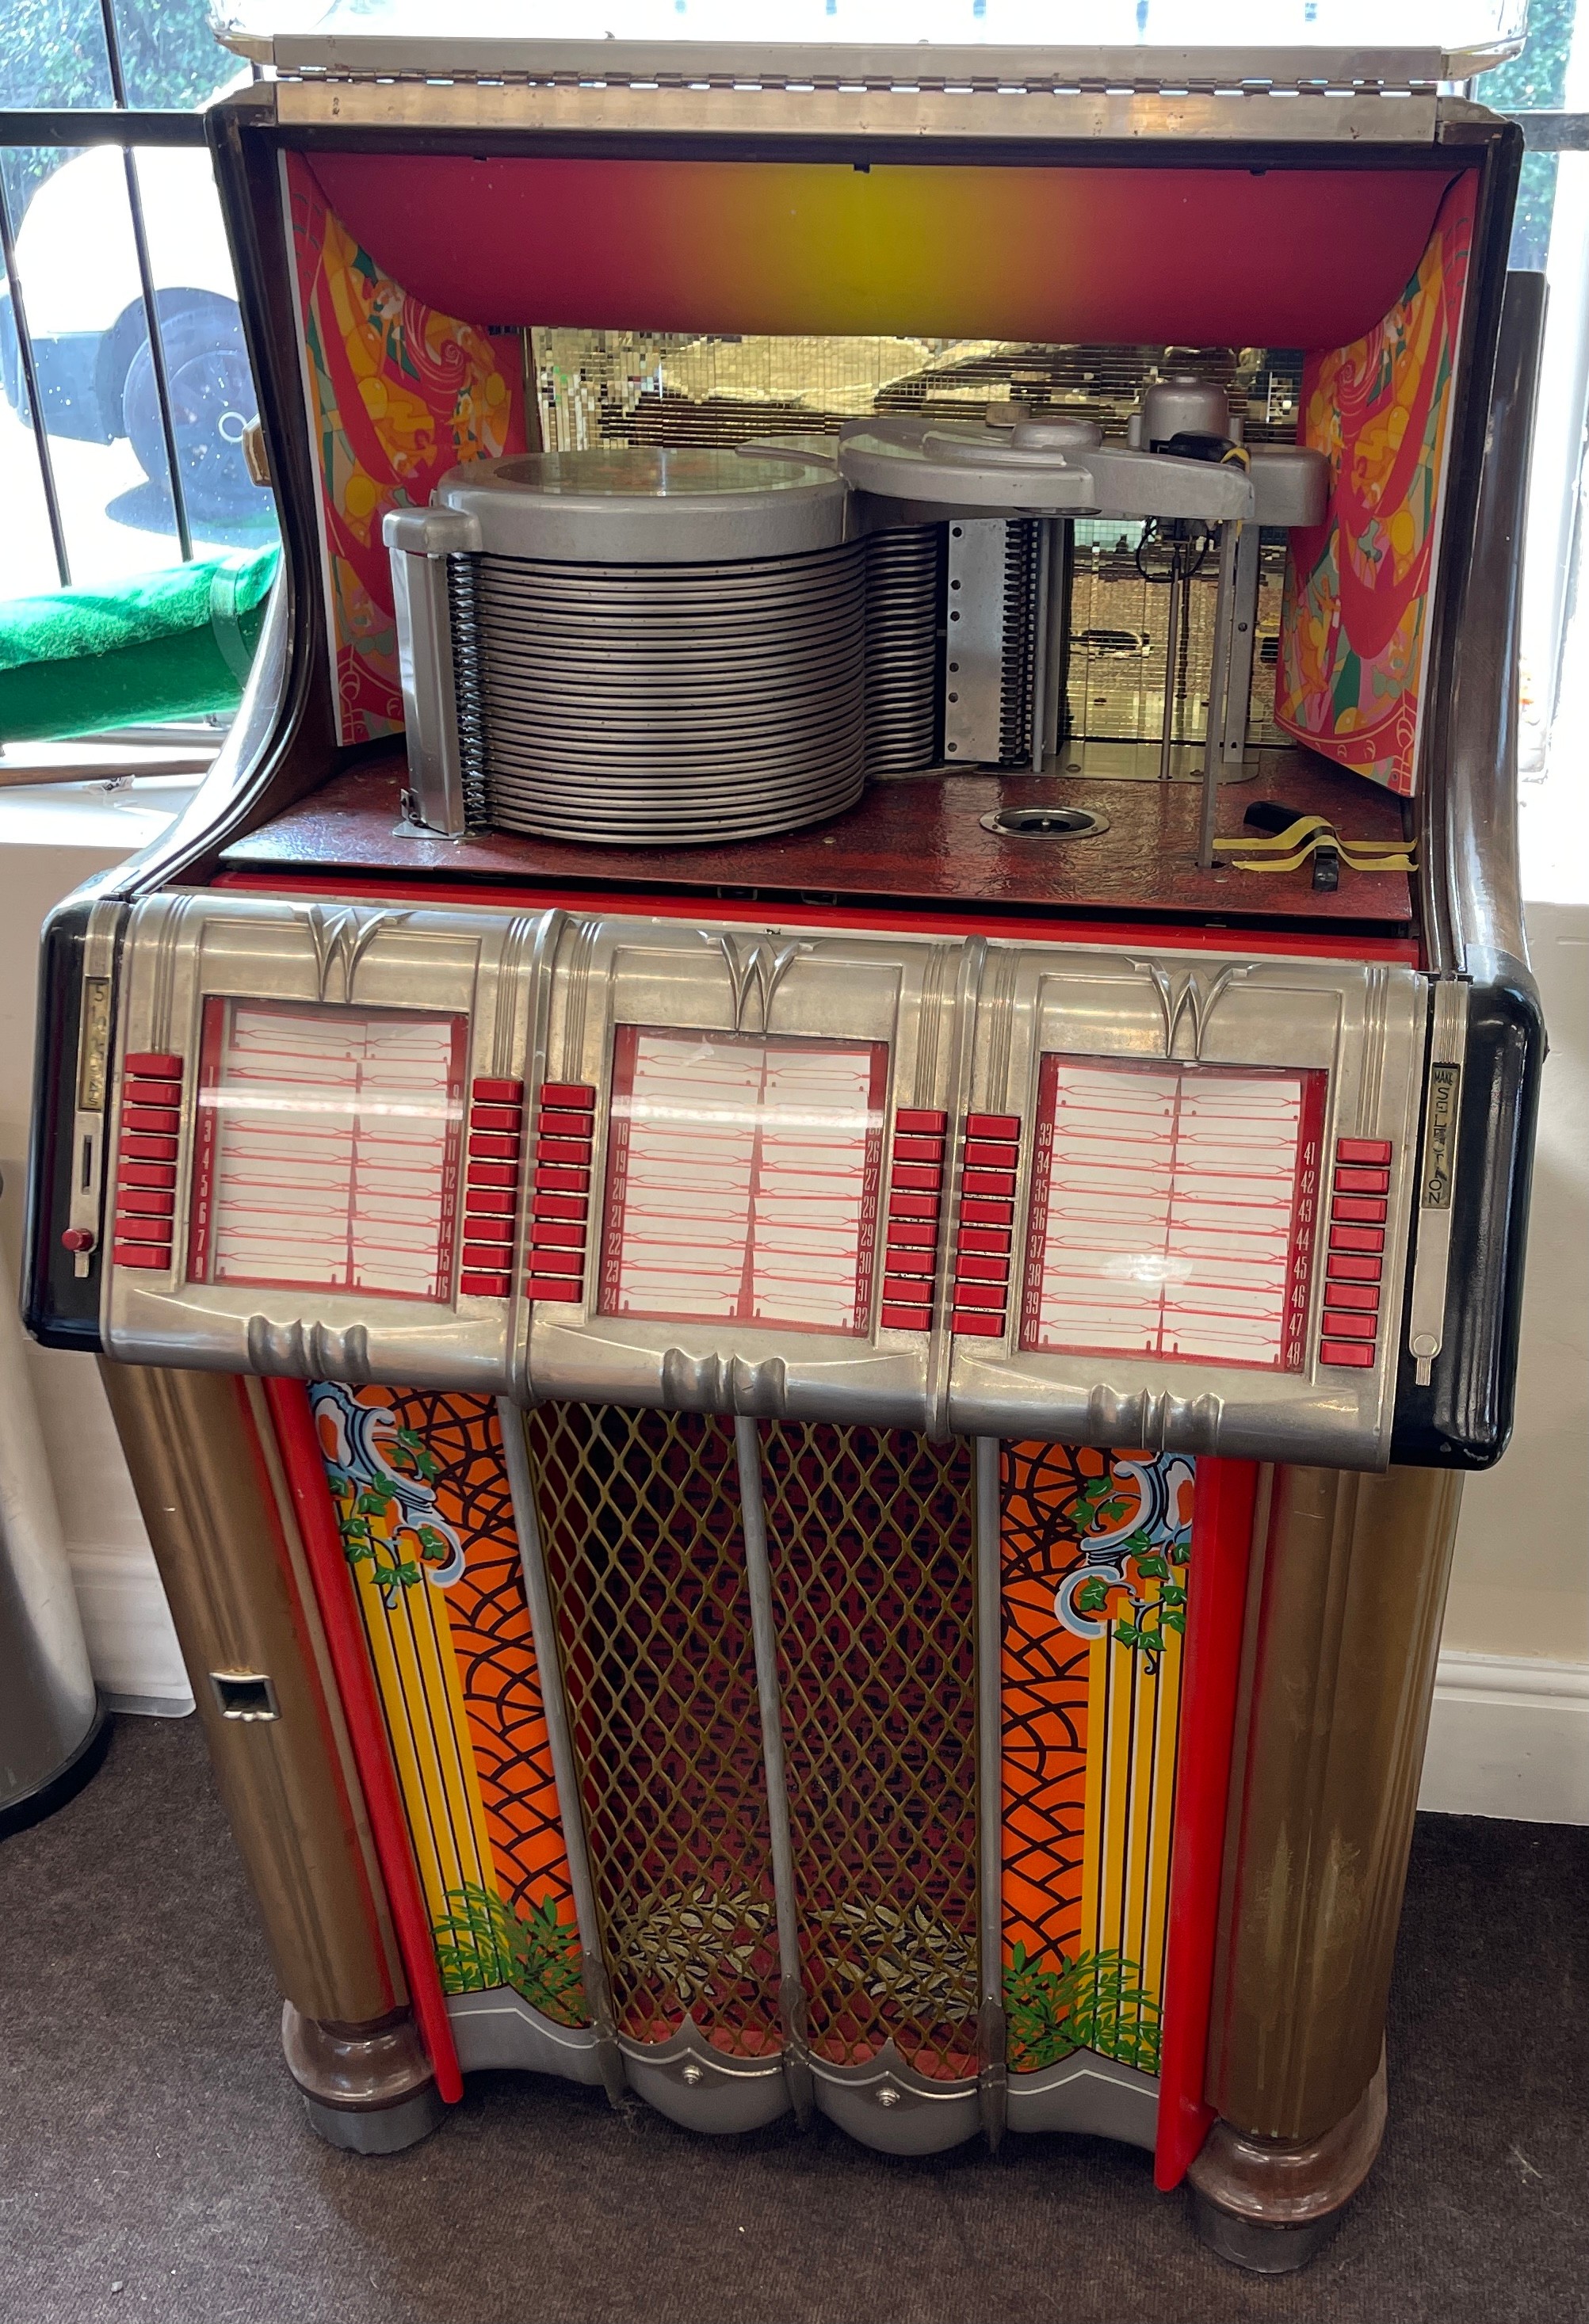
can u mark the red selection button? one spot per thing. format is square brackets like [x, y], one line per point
[1357, 1238]
[921, 1120]
[1347, 1351]
[157, 1064]
[1340, 1324]
[1344, 1268]
[979, 1327]
[979, 1211]
[912, 1234]
[912, 1206]
[1374, 1151]
[1358, 1209]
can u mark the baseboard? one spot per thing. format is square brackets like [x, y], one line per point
[133, 1649]
[1509, 1736]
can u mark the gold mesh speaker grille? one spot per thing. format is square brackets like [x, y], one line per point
[641, 1531]
[871, 1547]
[663, 387]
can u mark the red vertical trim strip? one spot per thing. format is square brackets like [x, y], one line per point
[201, 1176]
[1222, 1539]
[301, 1457]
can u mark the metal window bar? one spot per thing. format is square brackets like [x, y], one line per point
[30, 373]
[77, 126]
[118, 86]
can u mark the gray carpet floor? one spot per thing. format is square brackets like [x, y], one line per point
[155, 2163]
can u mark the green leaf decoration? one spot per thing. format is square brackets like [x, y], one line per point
[1096, 2002]
[480, 1943]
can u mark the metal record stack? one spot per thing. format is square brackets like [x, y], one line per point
[653, 647]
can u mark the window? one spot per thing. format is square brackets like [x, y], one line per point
[119, 326]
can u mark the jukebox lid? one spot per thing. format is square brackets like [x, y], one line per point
[1335, 45]
[646, 504]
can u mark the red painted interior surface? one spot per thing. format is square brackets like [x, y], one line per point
[1294, 258]
[914, 844]
[1222, 1538]
[532, 896]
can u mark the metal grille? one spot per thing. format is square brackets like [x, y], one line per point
[871, 1547]
[641, 1530]
[904, 584]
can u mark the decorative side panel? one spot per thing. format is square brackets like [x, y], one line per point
[870, 1542]
[641, 1529]
[397, 394]
[425, 1519]
[1354, 629]
[1096, 1547]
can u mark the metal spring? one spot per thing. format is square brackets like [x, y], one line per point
[463, 598]
[1021, 540]
[904, 588]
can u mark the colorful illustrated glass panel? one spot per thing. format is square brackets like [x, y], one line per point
[1354, 632]
[425, 1519]
[397, 394]
[1096, 1547]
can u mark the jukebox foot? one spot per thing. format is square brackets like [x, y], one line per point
[1271, 2204]
[367, 2088]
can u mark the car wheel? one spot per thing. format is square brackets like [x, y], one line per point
[212, 402]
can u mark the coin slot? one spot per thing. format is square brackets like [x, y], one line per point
[244, 1694]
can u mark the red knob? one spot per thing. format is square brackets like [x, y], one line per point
[77, 1238]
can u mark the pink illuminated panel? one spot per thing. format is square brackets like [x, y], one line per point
[741, 1178]
[326, 1148]
[1172, 1212]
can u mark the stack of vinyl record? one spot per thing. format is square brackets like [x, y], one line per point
[685, 665]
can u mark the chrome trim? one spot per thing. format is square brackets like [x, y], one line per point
[1470, 877]
[564, 1767]
[990, 1791]
[791, 1994]
[499, 2028]
[1426, 1307]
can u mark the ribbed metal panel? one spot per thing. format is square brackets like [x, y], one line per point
[1022, 546]
[661, 704]
[904, 586]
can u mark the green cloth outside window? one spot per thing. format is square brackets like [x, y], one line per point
[173, 645]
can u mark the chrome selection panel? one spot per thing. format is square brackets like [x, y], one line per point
[963, 1024]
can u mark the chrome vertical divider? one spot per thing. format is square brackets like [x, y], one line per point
[991, 2078]
[956, 1102]
[565, 1772]
[791, 1993]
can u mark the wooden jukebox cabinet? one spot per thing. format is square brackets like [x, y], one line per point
[804, 1184]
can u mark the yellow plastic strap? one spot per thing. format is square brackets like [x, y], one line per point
[1290, 849]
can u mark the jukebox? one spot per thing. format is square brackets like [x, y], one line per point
[804, 1184]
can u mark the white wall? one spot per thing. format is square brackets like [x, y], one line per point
[50, 843]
